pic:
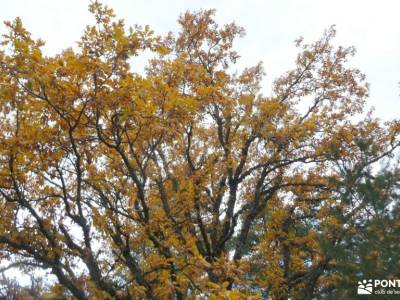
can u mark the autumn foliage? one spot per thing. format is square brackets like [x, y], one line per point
[186, 182]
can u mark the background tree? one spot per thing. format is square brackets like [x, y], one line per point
[186, 181]
[10, 289]
[372, 248]
[328, 245]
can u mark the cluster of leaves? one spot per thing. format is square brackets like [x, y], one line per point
[187, 182]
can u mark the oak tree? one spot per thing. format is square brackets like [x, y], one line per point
[185, 182]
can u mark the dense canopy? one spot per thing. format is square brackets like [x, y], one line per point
[186, 182]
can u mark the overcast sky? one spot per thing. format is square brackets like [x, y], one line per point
[373, 27]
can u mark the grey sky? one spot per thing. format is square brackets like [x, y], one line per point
[373, 27]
